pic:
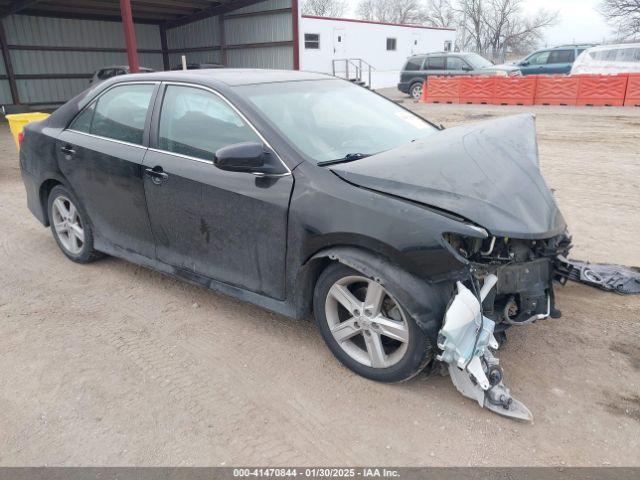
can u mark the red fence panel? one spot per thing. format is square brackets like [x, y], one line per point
[556, 90]
[477, 89]
[443, 90]
[515, 90]
[602, 90]
[632, 97]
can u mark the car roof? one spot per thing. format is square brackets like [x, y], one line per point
[229, 76]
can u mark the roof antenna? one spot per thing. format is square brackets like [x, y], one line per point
[184, 62]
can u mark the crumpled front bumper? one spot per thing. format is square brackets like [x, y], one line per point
[466, 341]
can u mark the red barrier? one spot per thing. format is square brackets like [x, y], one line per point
[515, 90]
[423, 97]
[477, 89]
[632, 97]
[556, 90]
[443, 90]
[602, 90]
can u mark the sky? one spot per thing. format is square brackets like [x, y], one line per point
[578, 20]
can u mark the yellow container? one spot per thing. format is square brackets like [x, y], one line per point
[17, 121]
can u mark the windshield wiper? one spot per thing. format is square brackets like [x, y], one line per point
[349, 157]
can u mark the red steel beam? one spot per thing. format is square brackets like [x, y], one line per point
[129, 35]
[295, 16]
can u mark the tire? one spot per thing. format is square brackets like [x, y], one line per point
[70, 226]
[353, 336]
[415, 90]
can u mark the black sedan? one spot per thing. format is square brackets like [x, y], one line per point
[306, 194]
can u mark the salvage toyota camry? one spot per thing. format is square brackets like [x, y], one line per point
[411, 244]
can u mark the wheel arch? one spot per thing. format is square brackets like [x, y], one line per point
[425, 302]
[43, 196]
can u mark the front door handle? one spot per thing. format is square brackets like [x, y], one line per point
[156, 174]
[67, 150]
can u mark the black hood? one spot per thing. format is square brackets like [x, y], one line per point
[487, 173]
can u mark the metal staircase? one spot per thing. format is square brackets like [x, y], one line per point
[355, 70]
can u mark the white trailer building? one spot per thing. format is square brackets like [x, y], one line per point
[347, 47]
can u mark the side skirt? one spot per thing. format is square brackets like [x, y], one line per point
[282, 307]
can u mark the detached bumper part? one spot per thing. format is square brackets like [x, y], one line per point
[465, 340]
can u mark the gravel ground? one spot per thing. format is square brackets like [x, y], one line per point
[113, 364]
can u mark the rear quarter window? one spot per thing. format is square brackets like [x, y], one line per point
[414, 64]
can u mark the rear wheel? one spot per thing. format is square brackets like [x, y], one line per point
[366, 328]
[70, 226]
[416, 91]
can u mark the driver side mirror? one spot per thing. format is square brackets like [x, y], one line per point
[524, 63]
[248, 157]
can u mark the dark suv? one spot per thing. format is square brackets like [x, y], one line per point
[557, 60]
[419, 67]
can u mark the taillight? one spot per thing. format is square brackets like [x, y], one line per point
[20, 138]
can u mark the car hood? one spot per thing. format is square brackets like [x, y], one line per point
[487, 173]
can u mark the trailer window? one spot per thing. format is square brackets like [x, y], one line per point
[312, 41]
[391, 43]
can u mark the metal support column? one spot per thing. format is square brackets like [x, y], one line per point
[164, 47]
[223, 40]
[129, 35]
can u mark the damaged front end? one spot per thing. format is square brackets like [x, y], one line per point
[510, 284]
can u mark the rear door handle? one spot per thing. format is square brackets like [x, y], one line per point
[156, 174]
[67, 150]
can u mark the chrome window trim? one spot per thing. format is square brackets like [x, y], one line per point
[96, 98]
[239, 113]
[107, 138]
[181, 155]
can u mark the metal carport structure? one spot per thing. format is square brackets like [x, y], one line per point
[50, 48]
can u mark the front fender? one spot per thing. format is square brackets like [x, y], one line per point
[425, 302]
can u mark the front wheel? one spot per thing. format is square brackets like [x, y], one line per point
[366, 328]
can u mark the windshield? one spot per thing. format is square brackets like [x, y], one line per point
[478, 61]
[334, 120]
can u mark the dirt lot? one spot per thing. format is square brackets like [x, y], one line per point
[113, 364]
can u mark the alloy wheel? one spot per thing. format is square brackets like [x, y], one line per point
[416, 92]
[68, 225]
[367, 322]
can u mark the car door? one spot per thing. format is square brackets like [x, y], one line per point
[101, 154]
[535, 63]
[228, 226]
[560, 61]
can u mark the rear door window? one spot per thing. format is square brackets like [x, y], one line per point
[119, 114]
[628, 55]
[561, 56]
[435, 63]
[414, 64]
[196, 123]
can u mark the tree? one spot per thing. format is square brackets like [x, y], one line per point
[491, 26]
[324, 8]
[440, 13]
[392, 11]
[624, 14]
